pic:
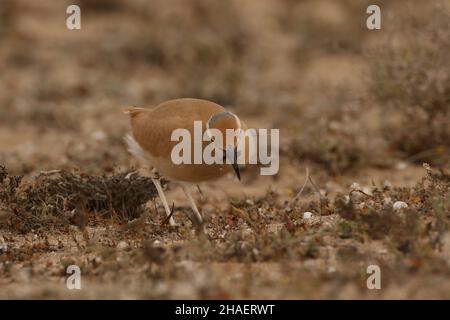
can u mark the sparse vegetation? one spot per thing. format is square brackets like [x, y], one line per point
[299, 66]
[416, 230]
[337, 155]
[411, 81]
[58, 198]
[333, 135]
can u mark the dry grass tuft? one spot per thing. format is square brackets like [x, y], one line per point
[61, 197]
[410, 78]
[336, 154]
[412, 231]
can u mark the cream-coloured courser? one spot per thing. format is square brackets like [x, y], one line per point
[151, 142]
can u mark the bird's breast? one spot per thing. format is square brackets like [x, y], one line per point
[189, 172]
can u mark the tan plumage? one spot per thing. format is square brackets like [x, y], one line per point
[151, 137]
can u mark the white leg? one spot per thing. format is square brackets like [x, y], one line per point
[198, 216]
[163, 199]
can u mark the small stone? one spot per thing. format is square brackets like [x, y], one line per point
[398, 205]
[99, 135]
[307, 215]
[331, 269]
[122, 245]
[367, 190]
[401, 165]
[97, 261]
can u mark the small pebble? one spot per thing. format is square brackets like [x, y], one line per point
[97, 261]
[398, 205]
[99, 135]
[307, 215]
[122, 245]
[401, 166]
[367, 190]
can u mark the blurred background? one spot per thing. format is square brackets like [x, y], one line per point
[352, 105]
[344, 97]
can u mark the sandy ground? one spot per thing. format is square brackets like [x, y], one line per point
[60, 99]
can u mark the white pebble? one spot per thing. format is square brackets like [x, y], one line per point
[367, 190]
[401, 166]
[307, 215]
[99, 135]
[331, 269]
[398, 205]
[122, 245]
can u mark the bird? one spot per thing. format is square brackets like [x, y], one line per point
[150, 141]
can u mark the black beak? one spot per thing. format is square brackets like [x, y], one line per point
[236, 170]
[236, 166]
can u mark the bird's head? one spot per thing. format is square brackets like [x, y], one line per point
[219, 123]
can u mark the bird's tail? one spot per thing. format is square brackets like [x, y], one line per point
[132, 111]
[135, 149]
